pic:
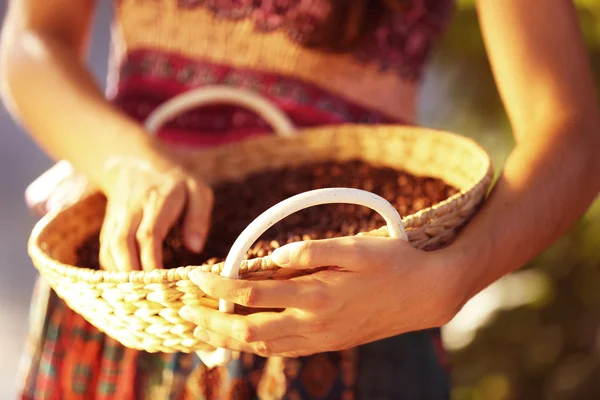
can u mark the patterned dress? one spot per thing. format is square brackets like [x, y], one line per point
[162, 48]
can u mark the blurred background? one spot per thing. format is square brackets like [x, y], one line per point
[533, 335]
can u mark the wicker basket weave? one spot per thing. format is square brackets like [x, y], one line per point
[140, 309]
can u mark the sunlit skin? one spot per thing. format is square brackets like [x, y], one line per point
[48, 88]
[383, 287]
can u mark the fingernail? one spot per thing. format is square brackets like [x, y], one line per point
[282, 256]
[195, 241]
[201, 335]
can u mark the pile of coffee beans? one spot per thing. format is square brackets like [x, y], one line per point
[237, 204]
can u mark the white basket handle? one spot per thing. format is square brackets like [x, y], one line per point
[280, 211]
[179, 104]
[186, 101]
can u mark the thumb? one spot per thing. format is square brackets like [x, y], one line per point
[352, 253]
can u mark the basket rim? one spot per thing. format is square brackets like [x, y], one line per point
[172, 276]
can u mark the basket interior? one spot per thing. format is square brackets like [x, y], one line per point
[422, 152]
[455, 159]
[71, 227]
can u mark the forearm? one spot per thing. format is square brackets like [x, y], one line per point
[54, 96]
[548, 182]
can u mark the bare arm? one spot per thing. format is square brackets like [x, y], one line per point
[553, 174]
[48, 88]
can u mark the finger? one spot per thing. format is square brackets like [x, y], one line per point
[244, 328]
[290, 346]
[118, 251]
[352, 253]
[106, 261]
[121, 240]
[118, 239]
[197, 215]
[218, 340]
[161, 211]
[262, 294]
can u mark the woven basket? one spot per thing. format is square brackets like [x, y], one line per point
[140, 309]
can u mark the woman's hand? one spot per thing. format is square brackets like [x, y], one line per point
[145, 200]
[43, 73]
[382, 287]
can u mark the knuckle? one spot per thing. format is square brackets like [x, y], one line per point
[306, 253]
[172, 183]
[166, 191]
[199, 332]
[119, 239]
[204, 321]
[210, 288]
[146, 234]
[244, 332]
[193, 184]
[246, 296]
[116, 235]
[320, 299]
[149, 196]
[198, 187]
[120, 234]
[263, 348]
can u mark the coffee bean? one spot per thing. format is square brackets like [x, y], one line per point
[237, 204]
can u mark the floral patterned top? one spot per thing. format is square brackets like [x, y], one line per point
[401, 42]
[264, 45]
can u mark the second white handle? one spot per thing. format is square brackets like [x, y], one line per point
[216, 94]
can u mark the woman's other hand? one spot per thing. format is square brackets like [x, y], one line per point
[382, 287]
[145, 200]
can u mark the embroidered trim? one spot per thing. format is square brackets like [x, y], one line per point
[148, 78]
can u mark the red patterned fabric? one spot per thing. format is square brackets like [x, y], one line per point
[148, 78]
[72, 360]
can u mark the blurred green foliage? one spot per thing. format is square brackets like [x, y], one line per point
[550, 349]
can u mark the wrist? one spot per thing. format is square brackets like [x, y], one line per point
[136, 150]
[463, 264]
